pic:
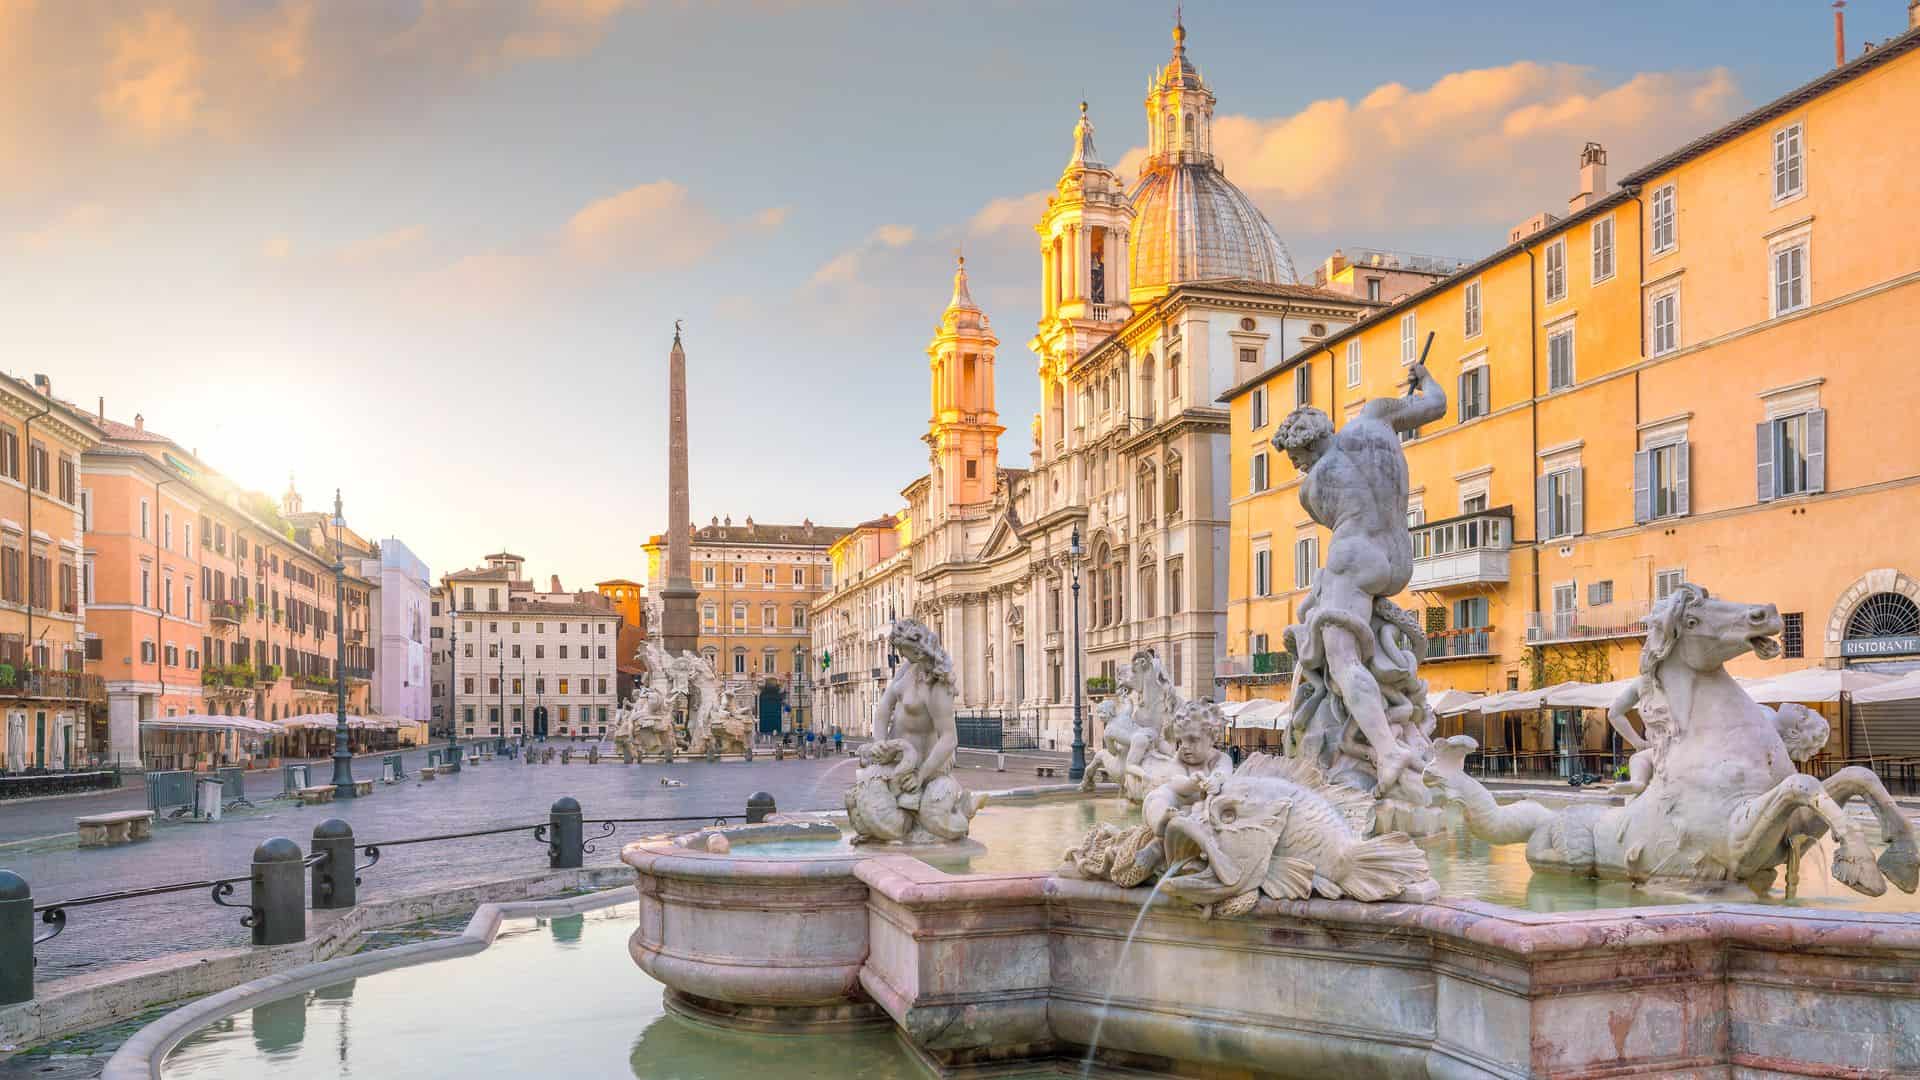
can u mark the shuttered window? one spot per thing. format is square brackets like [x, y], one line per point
[1306, 561]
[1665, 234]
[1661, 477]
[1791, 455]
[1560, 496]
[1474, 393]
[1560, 372]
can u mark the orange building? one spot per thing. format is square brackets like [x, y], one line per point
[207, 600]
[45, 697]
[1686, 378]
[629, 600]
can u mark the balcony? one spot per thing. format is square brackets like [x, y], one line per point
[1462, 552]
[1256, 668]
[1474, 642]
[224, 614]
[1605, 622]
[51, 685]
[235, 677]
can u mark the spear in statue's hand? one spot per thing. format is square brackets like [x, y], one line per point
[1419, 367]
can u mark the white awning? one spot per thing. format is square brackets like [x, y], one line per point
[1903, 688]
[329, 720]
[1452, 702]
[204, 722]
[1583, 695]
[1816, 685]
[1263, 713]
[1512, 701]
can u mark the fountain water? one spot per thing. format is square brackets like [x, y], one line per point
[1113, 981]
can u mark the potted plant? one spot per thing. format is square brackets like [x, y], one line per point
[8, 676]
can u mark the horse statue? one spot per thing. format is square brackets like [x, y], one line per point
[1719, 799]
[1133, 724]
[645, 722]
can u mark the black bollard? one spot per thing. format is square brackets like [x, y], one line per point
[564, 839]
[333, 877]
[759, 805]
[279, 899]
[16, 939]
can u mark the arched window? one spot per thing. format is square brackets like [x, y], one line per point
[799, 616]
[1144, 506]
[1167, 139]
[1884, 615]
[1146, 402]
[1186, 133]
[710, 655]
[1103, 585]
[1170, 488]
[1106, 395]
[1173, 382]
[1147, 591]
[768, 617]
[1059, 412]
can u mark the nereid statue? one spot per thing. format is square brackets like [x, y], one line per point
[1359, 707]
[1134, 723]
[1716, 797]
[904, 790]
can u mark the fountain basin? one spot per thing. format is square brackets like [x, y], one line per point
[983, 970]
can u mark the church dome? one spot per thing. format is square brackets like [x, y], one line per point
[1191, 224]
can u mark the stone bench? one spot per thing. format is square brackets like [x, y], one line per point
[1047, 770]
[428, 772]
[363, 787]
[120, 827]
[320, 794]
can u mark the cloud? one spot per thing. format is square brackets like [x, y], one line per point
[488, 35]
[384, 248]
[1483, 147]
[846, 268]
[657, 223]
[80, 225]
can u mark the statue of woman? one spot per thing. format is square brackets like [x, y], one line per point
[905, 790]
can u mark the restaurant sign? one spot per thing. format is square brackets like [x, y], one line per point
[1890, 645]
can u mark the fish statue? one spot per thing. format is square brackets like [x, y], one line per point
[1277, 827]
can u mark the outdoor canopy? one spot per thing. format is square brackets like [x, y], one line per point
[1450, 702]
[1904, 688]
[1261, 713]
[203, 722]
[1815, 685]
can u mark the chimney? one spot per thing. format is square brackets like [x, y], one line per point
[103, 406]
[44, 385]
[139, 422]
[1593, 178]
[556, 583]
[1839, 32]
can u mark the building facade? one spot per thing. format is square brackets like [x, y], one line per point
[873, 586]
[402, 686]
[1155, 299]
[1684, 378]
[528, 663]
[758, 585]
[629, 600]
[46, 696]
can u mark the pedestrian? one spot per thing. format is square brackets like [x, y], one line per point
[837, 751]
[810, 742]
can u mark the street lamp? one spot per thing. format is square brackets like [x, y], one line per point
[342, 755]
[1077, 769]
[453, 680]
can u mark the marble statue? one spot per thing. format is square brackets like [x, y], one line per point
[1716, 797]
[644, 725]
[1274, 827]
[904, 790]
[1359, 707]
[1134, 725]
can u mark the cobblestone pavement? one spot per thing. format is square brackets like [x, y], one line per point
[492, 795]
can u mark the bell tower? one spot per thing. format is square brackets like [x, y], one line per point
[1083, 239]
[964, 430]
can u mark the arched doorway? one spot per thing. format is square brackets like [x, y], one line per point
[771, 699]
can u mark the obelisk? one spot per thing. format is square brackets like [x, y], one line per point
[680, 622]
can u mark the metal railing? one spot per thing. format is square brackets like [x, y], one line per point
[1451, 644]
[278, 899]
[1254, 667]
[56, 685]
[1617, 620]
[999, 729]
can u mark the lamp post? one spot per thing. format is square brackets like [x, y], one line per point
[342, 755]
[1077, 768]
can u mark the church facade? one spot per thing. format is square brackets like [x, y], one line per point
[1156, 298]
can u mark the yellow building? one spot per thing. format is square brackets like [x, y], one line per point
[1696, 376]
[757, 584]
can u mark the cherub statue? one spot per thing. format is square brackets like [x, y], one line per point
[1199, 768]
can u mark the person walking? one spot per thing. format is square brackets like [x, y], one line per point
[836, 742]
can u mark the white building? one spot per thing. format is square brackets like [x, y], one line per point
[1156, 298]
[400, 624]
[524, 661]
[873, 585]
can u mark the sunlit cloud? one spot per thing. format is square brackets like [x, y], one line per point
[80, 225]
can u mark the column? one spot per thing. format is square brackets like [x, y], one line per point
[1082, 256]
[1117, 267]
[1046, 279]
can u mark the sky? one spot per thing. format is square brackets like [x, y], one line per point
[431, 252]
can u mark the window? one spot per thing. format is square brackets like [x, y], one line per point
[1470, 308]
[1660, 482]
[9, 453]
[1787, 181]
[1409, 330]
[766, 572]
[1472, 613]
[1353, 362]
[145, 509]
[1790, 277]
[1473, 504]
[1793, 635]
[1176, 580]
[709, 616]
[1560, 504]
[799, 576]
[1259, 406]
[1600, 593]
[1602, 234]
[1665, 314]
[1173, 378]
[69, 479]
[563, 685]
[1666, 581]
[1556, 270]
[1303, 385]
[1373, 288]
[1560, 359]
[1170, 487]
[1249, 361]
[1149, 593]
[1793, 454]
[739, 615]
[1665, 236]
[1259, 480]
[1564, 605]
[739, 575]
[767, 662]
[1306, 561]
[740, 663]
[1262, 572]
[706, 574]
[1473, 393]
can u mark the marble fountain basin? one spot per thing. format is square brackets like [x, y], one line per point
[997, 967]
